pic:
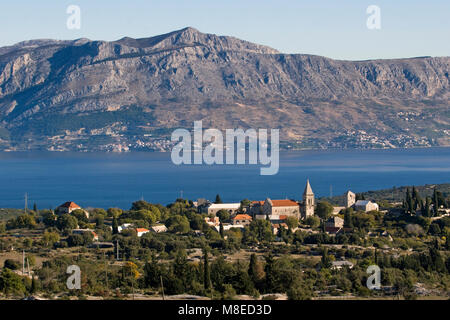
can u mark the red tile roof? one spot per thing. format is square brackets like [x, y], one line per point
[242, 217]
[284, 203]
[141, 230]
[70, 204]
[258, 202]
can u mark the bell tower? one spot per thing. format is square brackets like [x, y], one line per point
[350, 199]
[308, 201]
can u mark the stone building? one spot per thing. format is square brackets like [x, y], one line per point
[335, 222]
[350, 199]
[213, 208]
[334, 225]
[68, 207]
[255, 208]
[281, 207]
[308, 201]
[242, 219]
[366, 206]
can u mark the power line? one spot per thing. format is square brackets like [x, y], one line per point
[26, 202]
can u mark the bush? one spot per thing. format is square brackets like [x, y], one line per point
[434, 229]
[312, 221]
[75, 240]
[11, 283]
[22, 221]
[229, 293]
[324, 210]
[11, 264]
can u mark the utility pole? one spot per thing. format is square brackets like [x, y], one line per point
[23, 262]
[132, 282]
[162, 287]
[106, 271]
[26, 202]
[181, 194]
[28, 266]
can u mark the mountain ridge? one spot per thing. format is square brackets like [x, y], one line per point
[185, 75]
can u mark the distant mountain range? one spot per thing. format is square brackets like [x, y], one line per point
[130, 94]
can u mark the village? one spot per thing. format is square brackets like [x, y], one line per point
[240, 215]
[322, 239]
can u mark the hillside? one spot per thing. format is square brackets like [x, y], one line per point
[130, 94]
[396, 193]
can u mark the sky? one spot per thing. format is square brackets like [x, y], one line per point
[331, 28]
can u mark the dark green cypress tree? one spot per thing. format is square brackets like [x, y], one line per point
[436, 258]
[417, 199]
[409, 201]
[152, 273]
[407, 196]
[326, 261]
[206, 271]
[242, 281]
[427, 207]
[435, 202]
[221, 229]
[218, 199]
[269, 270]
[34, 286]
[348, 220]
[252, 268]
[115, 226]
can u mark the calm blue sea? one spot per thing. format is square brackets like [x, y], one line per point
[116, 180]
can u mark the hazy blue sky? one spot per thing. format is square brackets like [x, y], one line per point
[332, 28]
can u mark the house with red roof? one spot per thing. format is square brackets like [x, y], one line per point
[68, 207]
[277, 226]
[141, 231]
[242, 219]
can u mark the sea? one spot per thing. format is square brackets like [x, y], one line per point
[104, 180]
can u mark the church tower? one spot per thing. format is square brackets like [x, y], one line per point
[350, 199]
[308, 201]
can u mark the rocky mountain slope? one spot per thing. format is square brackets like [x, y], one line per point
[131, 93]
